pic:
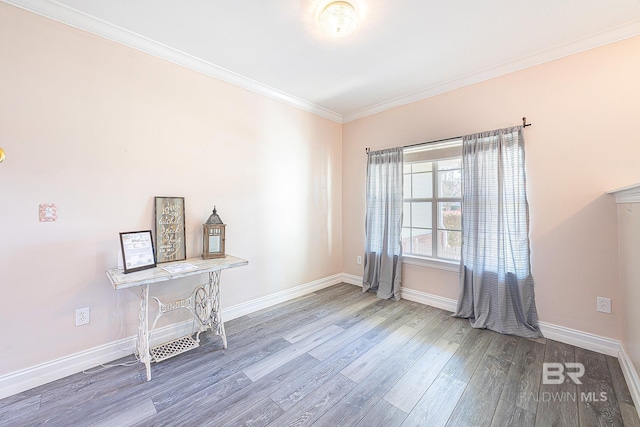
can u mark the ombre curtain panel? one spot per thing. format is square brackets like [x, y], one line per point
[383, 223]
[497, 289]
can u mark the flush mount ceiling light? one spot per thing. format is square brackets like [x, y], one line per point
[338, 19]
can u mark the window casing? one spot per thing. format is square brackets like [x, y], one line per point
[432, 211]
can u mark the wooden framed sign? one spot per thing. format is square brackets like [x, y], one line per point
[137, 250]
[170, 243]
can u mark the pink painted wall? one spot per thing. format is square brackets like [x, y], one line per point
[100, 129]
[584, 109]
[629, 236]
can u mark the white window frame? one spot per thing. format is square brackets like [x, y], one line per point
[433, 261]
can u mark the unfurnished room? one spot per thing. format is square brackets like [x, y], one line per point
[319, 213]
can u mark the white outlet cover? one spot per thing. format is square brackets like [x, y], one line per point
[83, 316]
[603, 305]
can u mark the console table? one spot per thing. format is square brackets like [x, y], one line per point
[203, 303]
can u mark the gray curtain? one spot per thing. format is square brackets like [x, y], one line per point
[383, 224]
[496, 283]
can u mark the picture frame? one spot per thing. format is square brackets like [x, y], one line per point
[170, 229]
[137, 250]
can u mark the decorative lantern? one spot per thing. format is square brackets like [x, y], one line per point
[213, 237]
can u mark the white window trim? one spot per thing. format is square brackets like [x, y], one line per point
[436, 263]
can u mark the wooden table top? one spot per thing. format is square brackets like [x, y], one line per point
[119, 280]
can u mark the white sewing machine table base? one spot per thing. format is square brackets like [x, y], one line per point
[203, 303]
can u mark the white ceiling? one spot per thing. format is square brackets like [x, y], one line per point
[401, 51]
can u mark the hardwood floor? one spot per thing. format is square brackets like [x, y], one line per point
[339, 357]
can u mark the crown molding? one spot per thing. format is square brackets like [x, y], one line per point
[626, 31]
[69, 16]
[72, 17]
[628, 194]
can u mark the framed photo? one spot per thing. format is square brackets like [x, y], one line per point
[170, 243]
[137, 250]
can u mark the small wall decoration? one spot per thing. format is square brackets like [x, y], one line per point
[170, 242]
[48, 212]
[137, 250]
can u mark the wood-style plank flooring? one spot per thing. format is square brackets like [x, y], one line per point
[339, 357]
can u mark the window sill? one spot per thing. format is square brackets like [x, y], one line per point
[432, 263]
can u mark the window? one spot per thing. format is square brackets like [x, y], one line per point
[432, 210]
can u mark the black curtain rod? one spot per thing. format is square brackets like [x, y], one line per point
[524, 125]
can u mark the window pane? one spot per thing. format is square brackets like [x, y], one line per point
[421, 214]
[450, 164]
[449, 244]
[422, 167]
[406, 214]
[422, 185]
[450, 183]
[421, 242]
[406, 240]
[406, 190]
[419, 222]
[450, 215]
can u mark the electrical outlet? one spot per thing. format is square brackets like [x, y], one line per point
[604, 305]
[82, 316]
[359, 260]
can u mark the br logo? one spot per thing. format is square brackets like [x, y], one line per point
[554, 373]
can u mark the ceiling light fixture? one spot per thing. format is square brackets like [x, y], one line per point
[338, 19]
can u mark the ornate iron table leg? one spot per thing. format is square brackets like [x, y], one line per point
[143, 330]
[215, 320]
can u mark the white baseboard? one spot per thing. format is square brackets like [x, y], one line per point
[631, 376]
[580, 339]
[352, 279]
[554, 332]
[558, 333]
[25, 379]
[442, 303]
[43, 373]
[248, 307]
